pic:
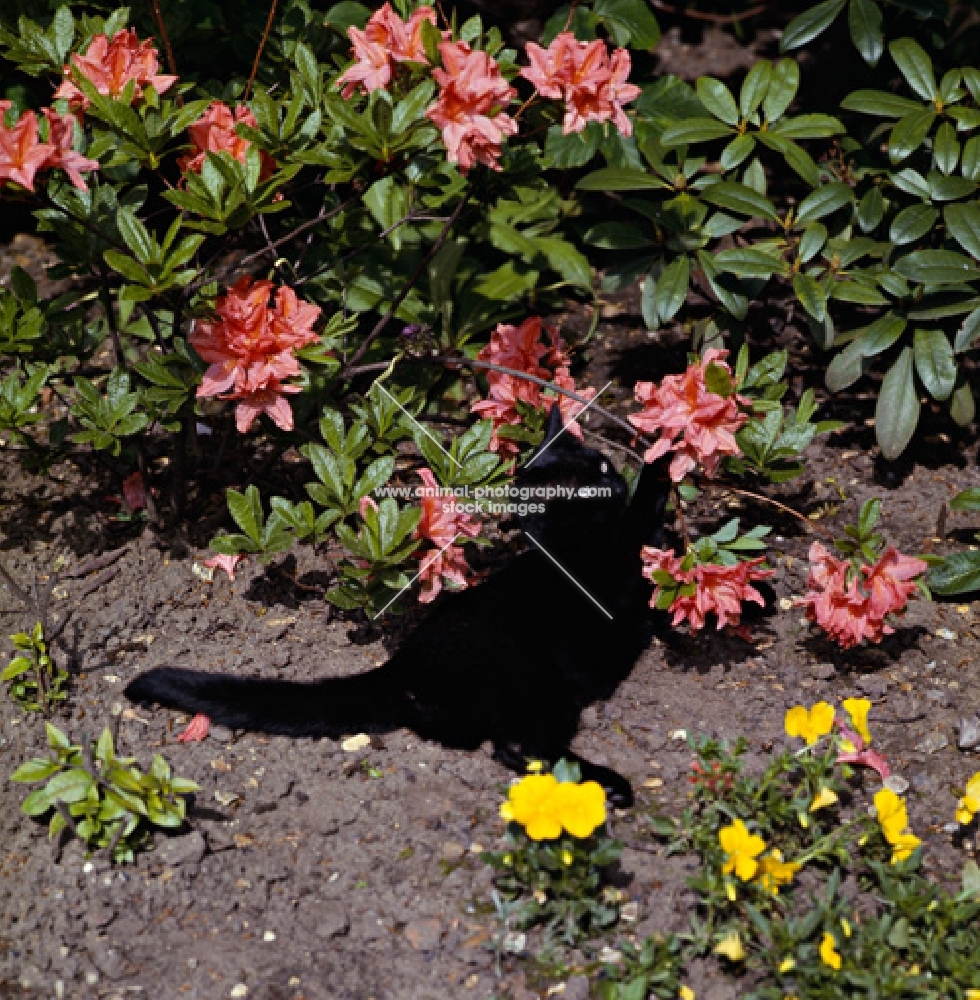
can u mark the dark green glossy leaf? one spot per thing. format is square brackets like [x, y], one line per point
[739, 198]
[864, 20]
[963, 222]
[912, 223]
[937, 267]
[915, 65]
[934, 362]
[897, 411]
[958, 573]
[811, 23]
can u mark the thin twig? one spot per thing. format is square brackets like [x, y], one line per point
[410, 284]
[165, 38]
[762, 498]
[697, 15]
[275, 244]
[258, 53]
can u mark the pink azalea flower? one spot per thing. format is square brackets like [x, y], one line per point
[855, 751]
[110, 65]
[22, 154]
[593, 83]
[134, 492]
[386, 39]
[851, 607]
[523, 347]
[470, 106]
[718, 590]
[696, 424]
[197, 729]
[61, 135]
[250, 348]
[226, 563]
[440, 524]
[214, 132]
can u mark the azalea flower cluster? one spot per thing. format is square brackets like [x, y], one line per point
[691, 421]
[546, 807]
[471, 108]
[592, 83]
[251, 347]
[702, 588]
[525, 349]
[23, 153]
[851, 604]
[742, 858]
[214, 132]
[110, 65]
[854, 746]
[893, 818]
[442, 523]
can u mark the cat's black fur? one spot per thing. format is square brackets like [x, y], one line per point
[513, 661]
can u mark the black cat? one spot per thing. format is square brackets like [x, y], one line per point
[514, 660]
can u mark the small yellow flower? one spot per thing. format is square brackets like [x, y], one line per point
[530, 802]
[972, 995]
[810, 724]
[731, 947]
[828, 951]
[969, 805]
[581, 808]
[774, 872]
[730, 891]
[825, 797]
[903, 846]
[686, 993]
[742, 849]
[846, 927]
[857, 709]
[893, 818]
[566, 857]
[787, 965]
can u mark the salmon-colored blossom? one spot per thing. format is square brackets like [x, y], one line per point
[525, 349]
[250, 349]
[386, 39]
[470, 106]
[696, 424]
[214, 132]
[22, 154]
[705, 588]
[197, 729]
[110, 65]
[226, 563]
[851, 606]
[442, 524]
[61, 136]
[592, 82]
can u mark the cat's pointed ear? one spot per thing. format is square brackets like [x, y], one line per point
[555, 425]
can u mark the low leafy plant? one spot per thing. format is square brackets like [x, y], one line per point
[35, 682]
[103, 800]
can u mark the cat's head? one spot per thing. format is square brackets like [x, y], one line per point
[577, 486]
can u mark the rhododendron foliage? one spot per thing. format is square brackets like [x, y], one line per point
[470, 106]
[592, 83]
[851, 604]
[698, 425]
[702, 588]
[525, 349]
[214, 132]
[250, 349]
[385, 40]
[110, 65]
[23, 154]
[441, 524]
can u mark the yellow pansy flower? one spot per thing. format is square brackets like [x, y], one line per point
[825, 797]
[742, 849]
[531, 802]
[857, 709]
[810, 724]
[969, 805]
[581, 809]
[902, 846]
[686, 993]
[731, 947]
[972, 995]
[774, 872]
[892, 813]
[828, 951]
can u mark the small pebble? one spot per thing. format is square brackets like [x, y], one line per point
[896, 783]
[969, 736]
[932, 743]
[946, 633]
[269, 936]
[354, 743]
[514, 942]
[239, 990]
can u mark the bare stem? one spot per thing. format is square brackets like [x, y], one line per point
[762, 498]
[258, 52]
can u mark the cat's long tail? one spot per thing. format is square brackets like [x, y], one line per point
[321, 708]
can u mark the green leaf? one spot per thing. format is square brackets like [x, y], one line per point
[962, 405]
[246, 509]
[749, 262]
[966, 500]
[619, 179]
[738, 198]
[912, 223]
[897, 410]
[935, 363]
[937, 267]
[916, 66]
[718, 99]
[808, 127]
[826, 199]
[755, 86]
[963, 222]
[135, 236]
[812, 22]
[811, 295]
[968, 332]
[630, 21]
[958, 573]
[693, 130]
[41, 768]
[864, 20]
[880, 103]
[618, 236]
[783, 85]
[737, 151]
[946, 148]
[671, 288]
[909, 133]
